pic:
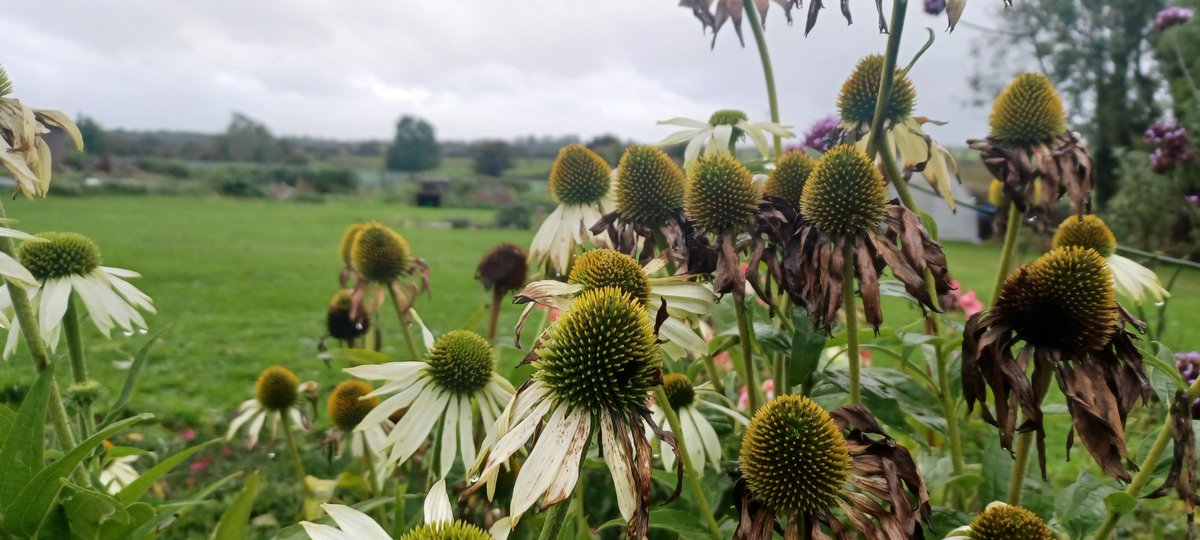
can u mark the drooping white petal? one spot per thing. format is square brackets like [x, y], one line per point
[93, 297]
[255, 428]
[241, 419]
[755, 132]
[391, 371]
[449, 434]
[55, 293]
[121, 272]
[437, 507]
[414, 428]
[389, 406]
[317, 531]
[708, 436]
[691, 438]
[466, 440]
[12, 269]
[10, 344]
[693, 148]
[1134, 281]
[426, 335]
[501, 529]
[568, 474]
[684, 122]
[618, 460]
[134, 295]
[355, 524]
[721, 136]
[546, 460]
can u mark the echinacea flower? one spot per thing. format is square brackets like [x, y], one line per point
[684, 299]
[1003, 521]
[698, 435]
[341, 323]
[117, 471]
[439, 523]
[805, 465]
[68, 266]
[278, 396]
[1060, 311]
[457, 376]
[349, 403]
[902, 132]
[844, 206]
[22, 150]
[1031, 151]
[721, 133]
[1130, 279]
[346, 248]
[383, 264]
[786, 180]
[580, 181]
[1172, 16]
[594, 369]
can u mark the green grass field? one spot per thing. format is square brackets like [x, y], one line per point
[244, 284]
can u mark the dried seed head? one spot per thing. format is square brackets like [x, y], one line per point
[503, 268]
[380, 254]
[856, 103]
[1028, 111]
[1063, 299]
[793, 457]
[721, 193]
[602, 354]
[996, 194]
[678, 388]
[447, 531]
[649, 186]
[277, 388]
[608, 268]
[461, 361]
[579, 176]
[63, 254]
[348, 237]
[339, 323]
[1007, 522]
[787, 180]
[1087, 231]
[846, 194]
[345, 407]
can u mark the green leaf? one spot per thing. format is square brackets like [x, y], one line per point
[1119, 502]
[170, 512]
[236, 519]
[29, 509]
[1164, 376]
[686, 524]
[135, 370]
[22, 454]
[929, 223]
[1079, 509]
[88, 511]
[143, 483]
[139, 514]
[7, 417]
[807, 344]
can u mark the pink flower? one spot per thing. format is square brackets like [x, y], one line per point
[970, 303]
[768, 387]
[187, 434]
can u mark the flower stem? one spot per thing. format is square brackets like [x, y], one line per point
[1011, 232]
[850, 310]
[404, 326]
[1146, 469]
[710, 365]
[494, 318]
[78, 363]
[689, 469]
[764, 54]
[1042, 373]
[888, 78]
[295, 452]
[556, 516]
[582, 531]
[753, 391]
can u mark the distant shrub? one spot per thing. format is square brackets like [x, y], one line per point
[240, 187]
[167, 167]
[514, 217]
[308, 197]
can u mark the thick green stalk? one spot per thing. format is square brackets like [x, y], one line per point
[78, 363]
[888, 77]
[494, 314]
[1147, 467]
[1042, 373]
[850, 310]
[556, 517]
[710, 366]
[689, 469]
[1008, 252]
[295, 452]
[582, 531]
[764, 54]
[749, 373]
[404, 327]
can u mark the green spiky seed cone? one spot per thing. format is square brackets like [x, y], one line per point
[1087, 231]
[602, 355]
[793, 457]
[380, 254]
[447, 531]
[277, 388]
[345, 407]
[721, 194]
[1062, 300]
[461, 361]
[649, 187]
[579, 176]
[62, 254]
[338, 322]
[608, 268]
[678, 388]
[856, 102]
[1007, 522]
[787, 180]
[845, 195]
[347, 244]
[1028, 111]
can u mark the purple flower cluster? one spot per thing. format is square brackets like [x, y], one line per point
[820, 135]
[1165, 19]
[1193, 199]
[1171, 146]
[1189, 367]
[935, 7]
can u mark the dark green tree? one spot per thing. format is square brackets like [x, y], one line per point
[492, 158]
[95, 139]
[247, 139]
[415, 147]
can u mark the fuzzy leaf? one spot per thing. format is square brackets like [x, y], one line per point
[22, 453]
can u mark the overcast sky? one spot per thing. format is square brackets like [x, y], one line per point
[349, 68]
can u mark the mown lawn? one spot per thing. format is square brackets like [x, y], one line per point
[244, 284]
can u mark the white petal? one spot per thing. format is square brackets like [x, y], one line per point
[684, 122]
[756, 134]
[693, 150]
[691, 439]
[121, 272]
[546, 460]
[708, 436]
[355, 524]
[391, 371]
[685, 135]
[426, 335]
[618, 466]
[389, 406]
[97, 304]
[14, 332]
[466, 424]
[12, 269]
[568, 474]
[255, 428]
[55, 293]
[736, 416]
[721, 136]
[501, 529]
[316, 531]
[449, 446]
[1135, 281]
[414, 428]
[241, 419]
[134, 295]
[437, 504]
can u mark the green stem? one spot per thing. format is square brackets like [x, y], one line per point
[1187, 73]
[582, 531]
[556, 517]
[399, 513]
[780, 375]
[1147, 467]
[949, 410]
[494, 315]
[689, 469]
[887, 78]
[1042, 373]
[78, 363]
[404, 327]
[753, 391]
[710, 365]
[1007, 253]
[850, 310]
[764, 54]
[295, 452]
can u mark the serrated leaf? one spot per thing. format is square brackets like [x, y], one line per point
[22, 454]
[135, 370]
[29, 509]
[135, 489]
[236, 519]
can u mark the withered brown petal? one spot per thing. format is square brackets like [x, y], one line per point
[1095, 416]
[1182, 477]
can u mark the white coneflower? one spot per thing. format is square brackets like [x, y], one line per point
[117, 471]
[720, 133]
[1130, 279]
[439, 523]
[698, 435]
[67, 265]
[277, 394]
[580, 181]
[686, 300]
[348, 405]
[1003, 521]
[22, 150]
[457, 375]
